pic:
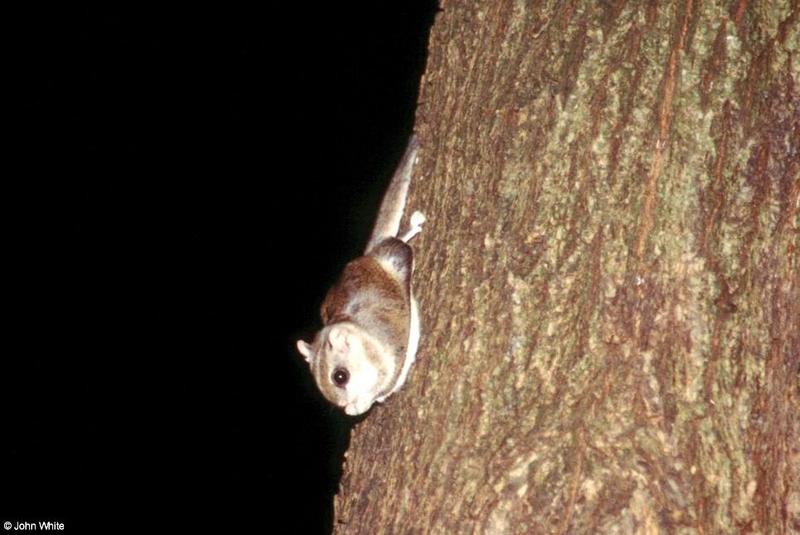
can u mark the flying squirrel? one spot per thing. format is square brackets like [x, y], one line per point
[370, 319]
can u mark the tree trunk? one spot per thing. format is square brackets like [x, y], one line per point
[608, 277]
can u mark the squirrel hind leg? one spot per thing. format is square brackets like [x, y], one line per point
[417, 219]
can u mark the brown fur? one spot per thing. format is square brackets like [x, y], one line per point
[371, 302]
[372, 298]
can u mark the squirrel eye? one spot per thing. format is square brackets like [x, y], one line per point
[340, 377]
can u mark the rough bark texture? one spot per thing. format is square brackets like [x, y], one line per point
[608, 278]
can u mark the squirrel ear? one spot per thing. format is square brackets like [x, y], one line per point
[306, 350]
[338, 339]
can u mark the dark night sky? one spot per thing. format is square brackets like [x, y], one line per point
[180, 189]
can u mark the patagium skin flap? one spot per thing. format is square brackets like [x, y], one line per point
[371, 328]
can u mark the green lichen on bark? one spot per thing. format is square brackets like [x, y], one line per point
[609, 277]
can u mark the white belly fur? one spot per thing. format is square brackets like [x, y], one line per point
[411, 351]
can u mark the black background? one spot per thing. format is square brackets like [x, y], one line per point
[180, 189]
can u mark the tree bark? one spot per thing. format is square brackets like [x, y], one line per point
[608, 277]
